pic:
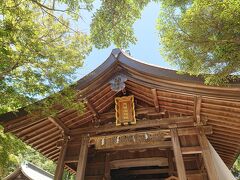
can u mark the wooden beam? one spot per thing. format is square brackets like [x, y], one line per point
[57, 122]
[82, 159]
[191, 150]
[181, 171]
[197, 109]
[92, 109]
[139, 162]
[207, 157]
[142, 171]
[193, 131]
[165, 144]
[60, 163]
[162, 123]
[155, 100]
[162, 145]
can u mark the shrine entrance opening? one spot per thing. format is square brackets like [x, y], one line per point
[140, 173]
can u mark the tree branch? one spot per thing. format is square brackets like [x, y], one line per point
[53, 7]
[60, 21]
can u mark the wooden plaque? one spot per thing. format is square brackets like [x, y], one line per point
[130, 140]
[125, 112]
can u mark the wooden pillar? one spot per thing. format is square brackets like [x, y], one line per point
[170, 163]
[82, 160]
[107, 169]
[60, 164]
[207, 157]
[178, 154]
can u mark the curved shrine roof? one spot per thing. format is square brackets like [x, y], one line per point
[176, 94]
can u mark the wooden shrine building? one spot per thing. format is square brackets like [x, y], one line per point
[140, 122]
[29, 171]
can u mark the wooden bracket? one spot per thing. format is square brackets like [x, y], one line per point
[59, 124]
[92, 109]
[62, 141]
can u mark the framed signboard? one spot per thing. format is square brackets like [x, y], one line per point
[125, 111]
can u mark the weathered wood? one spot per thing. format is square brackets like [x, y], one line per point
[33, 129]
[170, 162]
[59, 124]
[82, 160]
[36, 135]
[197, 109]
[139, 111]
[160, 145]
[143, 171]
[193, 131]
[92, 109]
[140, 162]
[46, 139]
[60, 163]
[163, 123]
[178, 155]
[117, 141]
[24, 124]
[155, 100]
[165, 144]
[207, 157]
[117, 155]
[107, 168]
[191, 150]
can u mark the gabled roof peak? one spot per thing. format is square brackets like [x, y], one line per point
[115, 52]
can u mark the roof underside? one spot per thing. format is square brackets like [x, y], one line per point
[176, 95]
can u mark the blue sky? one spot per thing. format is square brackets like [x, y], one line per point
[146, 49]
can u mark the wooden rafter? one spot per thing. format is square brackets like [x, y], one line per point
[29, 122]
[155, 100]
[92, 109]
[197, 109]
[59, 124]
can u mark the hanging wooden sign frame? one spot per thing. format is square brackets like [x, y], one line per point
[125, 110]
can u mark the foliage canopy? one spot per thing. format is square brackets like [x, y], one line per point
[202, 37]
[39, 52]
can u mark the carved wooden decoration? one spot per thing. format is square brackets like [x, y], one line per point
[129, 139]
[125, 112]
[118, 83]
